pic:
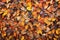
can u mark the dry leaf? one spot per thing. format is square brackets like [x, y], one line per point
[22, 38]
[58, 31]
[39, 31]
[29, 6]
[5, 13]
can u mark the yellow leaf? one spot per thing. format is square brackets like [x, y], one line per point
[39, 31]
[1, 12]
[47, 21]
[7, 1]
[39, 17]
[5, 13]
[53, 31]
[29, 6]
[34, 14]
[22, 38]
[58, 31]
[22, 19]
[49, 32]
[22, 23]
[53, 19]
[10, 37]
[55, 39]
[26, 27]
[3, 34]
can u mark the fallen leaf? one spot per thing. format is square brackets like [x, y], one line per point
[39, 31]
[22, 38]
[29, 6]
[58, 31]
[5, 13]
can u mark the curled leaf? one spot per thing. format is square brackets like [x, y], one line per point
[54, 38]
[58, 31]
[29, 6]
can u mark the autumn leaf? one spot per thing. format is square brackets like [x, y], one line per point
[58, 31]
[3, 0]
[22, 23]
[34, 13]
[22, 38]
[3, 33]
[7, 1]
[29, 6]
[26, 27]
[39, 17]
[47, 21]
[55, 38]
[15, 34]
[53, 19]
[10, 37]
[39, 31]
[5, 13]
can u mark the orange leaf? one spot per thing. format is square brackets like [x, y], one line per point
[3, 0]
